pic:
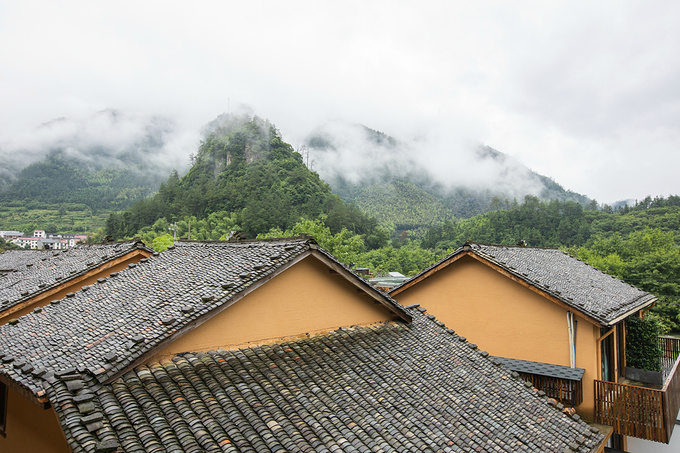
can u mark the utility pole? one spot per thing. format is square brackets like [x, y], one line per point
[173, 228]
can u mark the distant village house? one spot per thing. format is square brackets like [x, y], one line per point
[43, 240]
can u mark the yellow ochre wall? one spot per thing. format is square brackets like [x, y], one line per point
[73, 285]
[307, 298]
[30, 428]
[506, 319]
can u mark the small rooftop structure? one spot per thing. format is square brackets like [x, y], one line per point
[389, 281]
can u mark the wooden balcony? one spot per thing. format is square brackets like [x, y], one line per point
[647, 413]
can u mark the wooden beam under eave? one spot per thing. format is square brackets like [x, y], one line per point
[184, 330]
[41, 400]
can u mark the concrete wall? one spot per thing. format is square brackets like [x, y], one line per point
[506, 319]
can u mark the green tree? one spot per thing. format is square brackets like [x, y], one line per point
[642, 344]
[344, 245]
[161, 243]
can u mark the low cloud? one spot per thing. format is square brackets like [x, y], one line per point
[357, 154]
[107, 139]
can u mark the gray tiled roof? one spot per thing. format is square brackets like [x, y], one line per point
[36, 271]
[573, 282]
[104, 328]
[542, 369]
[394, 387]
[15, 260]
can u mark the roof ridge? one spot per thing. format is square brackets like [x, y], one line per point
[188, 295]
[515, 246]
[298, 238]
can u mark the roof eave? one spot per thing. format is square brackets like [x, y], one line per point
[631, 311]
[39, 399]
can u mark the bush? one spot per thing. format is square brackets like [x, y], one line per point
[642, 343]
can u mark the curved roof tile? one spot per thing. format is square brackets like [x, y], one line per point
[391, 387]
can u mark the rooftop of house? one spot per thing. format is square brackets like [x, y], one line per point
[31, 272]
[394, 386]
[543, 369]
[16, 260]
[600, 296]
[104, 328]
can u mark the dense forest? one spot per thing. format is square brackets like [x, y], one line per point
[59, 194]
[59, 179]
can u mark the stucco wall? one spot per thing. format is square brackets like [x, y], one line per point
[31, 428]
[305, 299]
[506, 319]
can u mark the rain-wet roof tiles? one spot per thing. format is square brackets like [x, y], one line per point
[392, 387]
[105, 327]
[31, 272]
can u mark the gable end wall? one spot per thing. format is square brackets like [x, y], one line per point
[505, 318]
[307, 298]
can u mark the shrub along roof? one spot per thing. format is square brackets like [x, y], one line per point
[568, 280]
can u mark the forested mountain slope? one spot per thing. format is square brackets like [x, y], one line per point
[59, 178]
[69, 174]
[243, 169]
[557, 223]
[404, 188]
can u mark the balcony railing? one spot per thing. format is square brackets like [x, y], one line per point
[643, 412]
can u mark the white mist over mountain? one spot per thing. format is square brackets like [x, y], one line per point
[107, 139]
[358, 155]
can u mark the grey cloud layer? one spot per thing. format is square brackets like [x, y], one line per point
[575, 90]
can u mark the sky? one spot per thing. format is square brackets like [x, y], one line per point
[587, 93]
